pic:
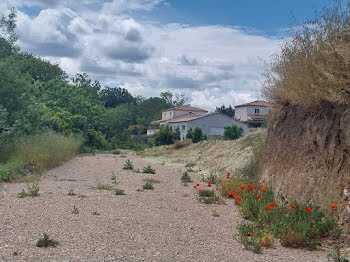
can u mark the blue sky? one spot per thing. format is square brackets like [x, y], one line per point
[213, 51]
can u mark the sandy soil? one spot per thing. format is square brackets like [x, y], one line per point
[166, 224]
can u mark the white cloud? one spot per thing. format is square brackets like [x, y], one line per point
[212, 64]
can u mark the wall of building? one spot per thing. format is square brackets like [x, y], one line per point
[175, 113]
[263, 110]
[241, 113]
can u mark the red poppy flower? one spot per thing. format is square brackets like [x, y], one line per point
[242, 187]
[307, 209]
[267, 208]
[323, 238]
[334, 207]
[272, 204]
[209, 185]
[260, 185]
[255, 186]
[292, 207]
[258, 197]
[194, 186]
[228, 174]
[251, 234]
[237, 203]
[263, 181]
[234, 193]
[239, 198]
[264, 189]
[249, 186]
[197, 185]
[200, 190]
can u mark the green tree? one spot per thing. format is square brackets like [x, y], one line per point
[229, 111]
[113, 97]
[197, 135]
[173, 99]
[177, 134]
[165, 136]
[232, 132]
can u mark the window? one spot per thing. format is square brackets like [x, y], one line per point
[183, 127]
[257, 111]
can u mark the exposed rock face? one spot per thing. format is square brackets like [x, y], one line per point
[307, 156]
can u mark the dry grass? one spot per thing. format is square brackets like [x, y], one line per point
[313, 65]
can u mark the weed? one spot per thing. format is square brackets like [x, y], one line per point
[33, 190]
[337, 232]
[46, 242]
[250, 236]
[118, 192]
[75, 210]
[22, 194]
[116, 152]
[148, 186]
[185, 179]
[128, 165]
[149, 170]
[71, 192]
[336, 256]
[113, 178]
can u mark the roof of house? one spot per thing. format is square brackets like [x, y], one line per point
[257, 117]
[190, 117]
[256, 103]
[186, 108]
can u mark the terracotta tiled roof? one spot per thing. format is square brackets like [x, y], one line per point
[257, 117]
[256, 103]
[186, 108]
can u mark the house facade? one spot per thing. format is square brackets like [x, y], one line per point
[186, 117]
[252, 112]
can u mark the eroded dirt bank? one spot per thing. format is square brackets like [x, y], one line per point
[307, 156]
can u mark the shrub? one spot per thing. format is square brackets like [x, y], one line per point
[116, 152]
[182, 144]
[197, 135]
[227, 187]
[128, 165]
[148, 186]
[46, 242]
[177, 134]
[148, 170]
[13, 168]
[232, 132]
[165, 136]
[185, 178]
[189, 134]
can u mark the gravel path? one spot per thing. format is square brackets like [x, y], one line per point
[166, 224]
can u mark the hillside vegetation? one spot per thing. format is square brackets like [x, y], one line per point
[211, 157]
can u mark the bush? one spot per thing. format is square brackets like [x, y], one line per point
[207, 196]
[46, 150]
[177, 134]
[197, 135]
[165, 136]
[189, 134]
[128, 165]
[148, 170]
[13, 168]
[232, 132]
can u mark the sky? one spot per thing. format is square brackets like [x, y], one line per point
[214, 51]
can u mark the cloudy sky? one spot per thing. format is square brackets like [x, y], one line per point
[213, 51]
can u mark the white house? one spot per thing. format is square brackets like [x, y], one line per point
[186, 117]
[252, 112]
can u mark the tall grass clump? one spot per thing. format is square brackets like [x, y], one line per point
[46, 149]
[314, 64]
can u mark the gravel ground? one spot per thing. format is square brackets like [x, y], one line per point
[166, 224]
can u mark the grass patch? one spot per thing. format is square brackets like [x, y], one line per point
[128, 165]
[45, 241]
[148, 170]
[32, 190]
[207, 196]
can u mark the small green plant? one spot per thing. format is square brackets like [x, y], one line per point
[75, 210]
[71, 192]
[185, 179]
[148, 186]
[118, 192]
[148, 170]
[33, 190]
[336, 256]
[22, 194]
[128, 165]
[46, 242]
[207, 196]
[250, 236]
